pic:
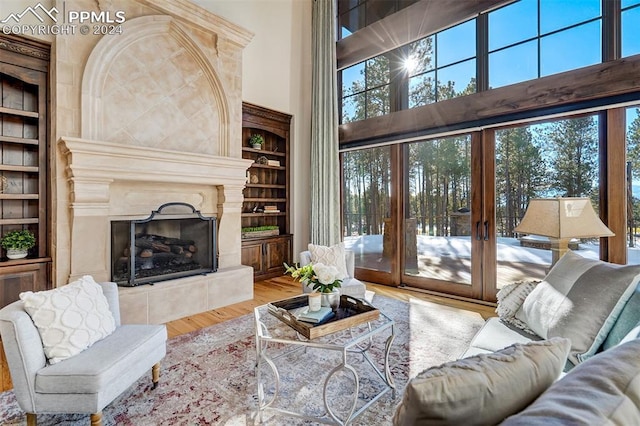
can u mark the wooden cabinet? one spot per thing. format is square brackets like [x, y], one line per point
[267, 255]
[24, 162]
[266, 238]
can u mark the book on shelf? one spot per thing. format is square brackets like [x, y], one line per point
[314, 317]
[273, 163]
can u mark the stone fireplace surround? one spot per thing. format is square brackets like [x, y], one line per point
[151, 116]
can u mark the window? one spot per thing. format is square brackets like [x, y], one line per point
[633, 184]
[365, 90]
[563, 37]
[552, 159]
[356, 14]
[525, 40]
[630, 25]
[366, 206]
[442, 66]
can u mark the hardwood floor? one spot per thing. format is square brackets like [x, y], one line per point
[267, 291]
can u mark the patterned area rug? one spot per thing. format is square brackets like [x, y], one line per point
[208, 377]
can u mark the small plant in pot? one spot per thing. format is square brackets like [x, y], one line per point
[256, 141]
[18, 243]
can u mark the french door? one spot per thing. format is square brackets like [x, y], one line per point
[447, 223]
[416, 214]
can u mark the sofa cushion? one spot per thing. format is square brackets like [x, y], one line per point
[109, 359]
[70, 318]
[627, 319]
[579, 299]
[495, 335]
[332, 256]
[483, 389]
[631, 335]
[605, 389]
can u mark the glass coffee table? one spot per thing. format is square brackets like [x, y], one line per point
[359, 337]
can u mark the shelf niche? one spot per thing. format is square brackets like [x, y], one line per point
[267, 192]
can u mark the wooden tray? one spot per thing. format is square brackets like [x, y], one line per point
[351, 312]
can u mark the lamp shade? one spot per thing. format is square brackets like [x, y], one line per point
[562, 218]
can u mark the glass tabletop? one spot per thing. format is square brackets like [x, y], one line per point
[270, 327]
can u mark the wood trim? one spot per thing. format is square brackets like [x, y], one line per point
[615, 197]
[409, 24]
[614, 78]
[25, 47]
[477, 213]
[489, 248]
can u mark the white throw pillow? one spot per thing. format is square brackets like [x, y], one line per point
[333, 256]
[482, 389]
[70, 318]
[510, 299]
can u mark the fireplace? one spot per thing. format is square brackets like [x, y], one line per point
[151, 116]
[175, 241]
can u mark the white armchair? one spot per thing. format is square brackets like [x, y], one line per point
[88, 381]
[350, 286]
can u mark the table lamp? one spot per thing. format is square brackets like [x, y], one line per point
[561, 219]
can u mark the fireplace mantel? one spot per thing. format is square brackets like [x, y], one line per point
[89, 159]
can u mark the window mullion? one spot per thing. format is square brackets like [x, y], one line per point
[482, 55]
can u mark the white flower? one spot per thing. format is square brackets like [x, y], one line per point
[326, 274]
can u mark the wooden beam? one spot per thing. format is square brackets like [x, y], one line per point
[482, 109]
[409, 24]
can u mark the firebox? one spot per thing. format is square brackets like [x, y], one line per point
[175, 241]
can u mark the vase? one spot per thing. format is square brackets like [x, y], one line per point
[16, 253]
[256, 146]
[331, 300]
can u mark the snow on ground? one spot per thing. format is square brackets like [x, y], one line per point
[509, 249]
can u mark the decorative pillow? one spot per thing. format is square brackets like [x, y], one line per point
[579, 299]
[70, 318]
[333, 256]
[510, 299]
[604, 390]
[482, 389]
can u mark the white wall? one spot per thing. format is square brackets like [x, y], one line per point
[277, 75]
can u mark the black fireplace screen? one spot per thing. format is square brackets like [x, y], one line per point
[175, 241]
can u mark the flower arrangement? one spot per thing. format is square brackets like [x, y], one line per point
[18, 240]
[323, 278]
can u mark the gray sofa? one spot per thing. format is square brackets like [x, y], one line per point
[583, 368]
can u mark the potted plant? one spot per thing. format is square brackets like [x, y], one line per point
[256, 141]
[18, 243]
[322, 278]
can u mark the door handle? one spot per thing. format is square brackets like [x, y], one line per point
[486, 230]
[478, 236]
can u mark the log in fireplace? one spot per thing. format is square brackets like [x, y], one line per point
[175, 241]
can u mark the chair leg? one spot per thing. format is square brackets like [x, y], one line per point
[31, 419]
[96, 419]
[155, 374]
